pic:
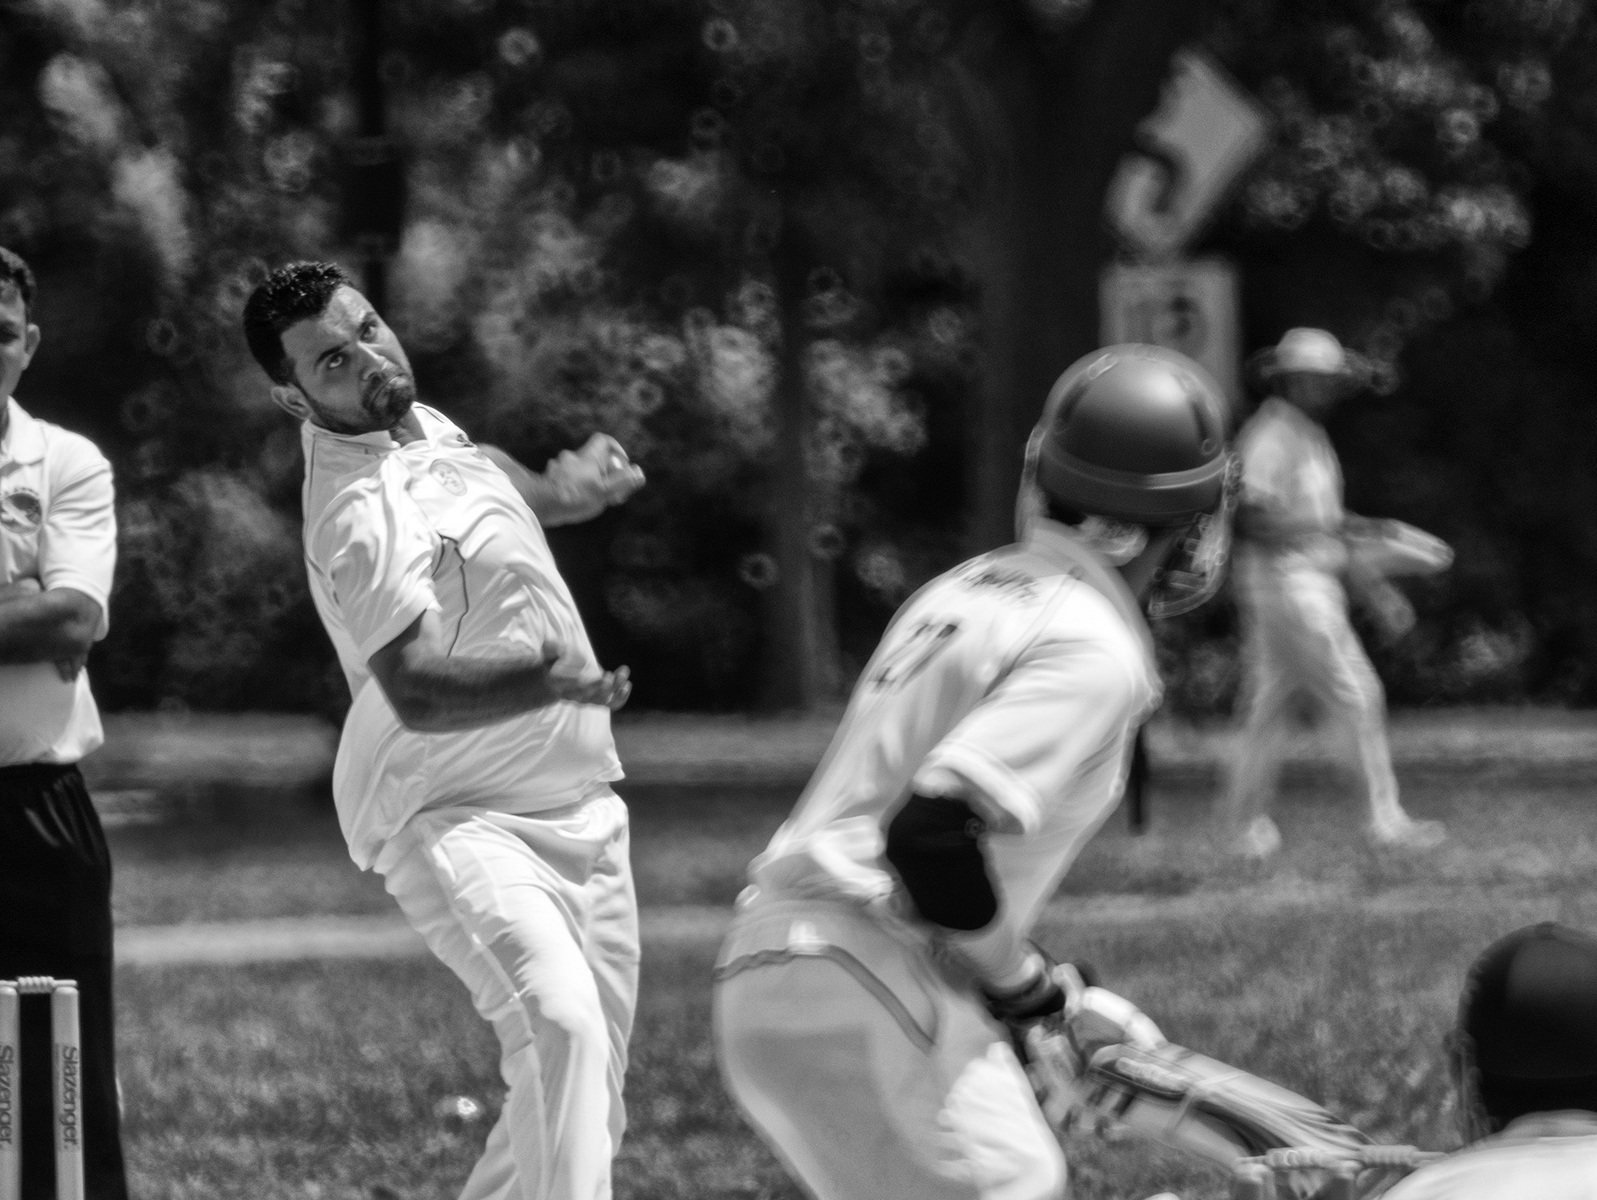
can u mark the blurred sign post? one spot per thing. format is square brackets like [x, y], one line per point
[1189, 152]
[1190, 305]
[1203, 135]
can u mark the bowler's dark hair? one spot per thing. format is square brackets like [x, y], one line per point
[294, 292]
[15, 271]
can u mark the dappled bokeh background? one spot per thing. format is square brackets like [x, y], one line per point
[768, 245]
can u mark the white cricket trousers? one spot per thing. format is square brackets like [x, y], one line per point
[536, 914]
[1296, 640]
[869, 1074]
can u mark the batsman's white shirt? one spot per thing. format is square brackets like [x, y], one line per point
[863, 1057]
[393, 530]
[1545, 1156]
[1015, 679]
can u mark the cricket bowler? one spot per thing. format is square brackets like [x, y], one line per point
[878, 968]
[474, 768]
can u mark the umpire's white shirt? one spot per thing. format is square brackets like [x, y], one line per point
[1290, 466]
[391, 531]
[57, 525]
[1018, 678]
[1545, 1156]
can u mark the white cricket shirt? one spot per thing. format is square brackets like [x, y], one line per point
[57, 525]
[391, 531]
[1016, 679]
[1290, 470]
[1544, 1156]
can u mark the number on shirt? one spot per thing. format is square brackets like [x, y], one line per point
[922, 643]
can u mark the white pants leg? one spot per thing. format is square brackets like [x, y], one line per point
[536, 915]
[871, 1077]
[1298, 639]
[1268, 688]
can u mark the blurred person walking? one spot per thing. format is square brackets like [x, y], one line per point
[57, 556]
[1290, 566]
[474, 767]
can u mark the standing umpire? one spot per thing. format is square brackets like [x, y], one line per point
[1291, 566]
[57, 553]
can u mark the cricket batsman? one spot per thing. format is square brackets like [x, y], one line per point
[475, 764]
[878, 971]
[1298, 554]
[1524, 1060]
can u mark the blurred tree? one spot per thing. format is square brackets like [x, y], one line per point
[815, 263]
[1418, 146]
[1056, 91]
[843, 178]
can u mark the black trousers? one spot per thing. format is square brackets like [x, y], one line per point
[55, 919]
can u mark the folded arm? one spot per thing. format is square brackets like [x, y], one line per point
[435, 692]
[55, 625]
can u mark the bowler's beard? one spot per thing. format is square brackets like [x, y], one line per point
[388, 403]
[384, 406]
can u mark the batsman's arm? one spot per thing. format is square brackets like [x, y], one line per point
[435, 692]
[934, 844]
[1013, 759]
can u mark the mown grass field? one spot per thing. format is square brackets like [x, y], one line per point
[1336, 975]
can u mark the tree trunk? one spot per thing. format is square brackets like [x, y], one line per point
[1068, 107]
[801, 659]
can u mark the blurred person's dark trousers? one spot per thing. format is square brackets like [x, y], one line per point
[55, 919]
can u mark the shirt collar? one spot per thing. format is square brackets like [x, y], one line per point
[378, 442]
[374, 443]
[24, 440]
[1059, 545]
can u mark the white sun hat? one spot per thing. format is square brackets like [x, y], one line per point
[1308, 351]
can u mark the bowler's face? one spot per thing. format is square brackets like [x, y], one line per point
[350, 367]
[18, 340]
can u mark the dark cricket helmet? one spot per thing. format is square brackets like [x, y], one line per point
[1135, 433]
[1526, 1038]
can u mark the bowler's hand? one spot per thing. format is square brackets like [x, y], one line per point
[591, 479]
[611, 689]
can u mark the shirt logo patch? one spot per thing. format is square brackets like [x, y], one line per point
[21, 511]
[448, 477]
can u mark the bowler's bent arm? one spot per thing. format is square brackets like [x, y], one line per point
[541, 495]
[434, 692]
[576, 486]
